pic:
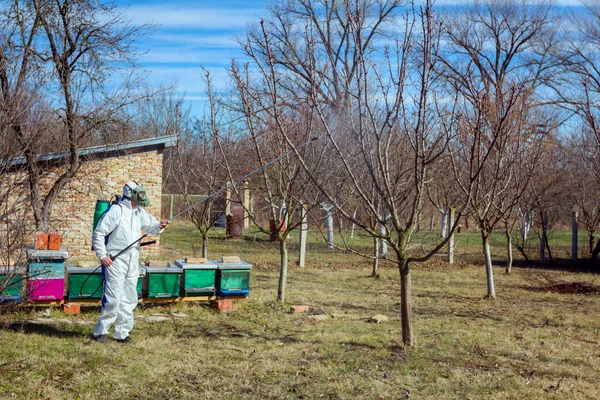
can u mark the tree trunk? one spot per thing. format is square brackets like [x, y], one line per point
[375, 271]
[405, 302]
[329, 222]
[489, 272]
[204, 246]
[592, 239]
[283, 253]
[509, 254]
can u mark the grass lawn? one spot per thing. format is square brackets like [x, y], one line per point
[525, 344]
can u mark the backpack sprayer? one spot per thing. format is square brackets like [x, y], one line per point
[221, 190]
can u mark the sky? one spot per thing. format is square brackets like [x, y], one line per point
[194, 33]
[189, 34]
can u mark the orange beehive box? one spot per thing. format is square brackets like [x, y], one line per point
[54, 241]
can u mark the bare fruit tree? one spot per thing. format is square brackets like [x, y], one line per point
[385, 130]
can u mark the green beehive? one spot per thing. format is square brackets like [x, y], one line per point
[85, 283]
[11, 283]
[162, 282]
[198, 279]
[233, 279]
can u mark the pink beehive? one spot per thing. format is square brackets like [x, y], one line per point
[46, 289]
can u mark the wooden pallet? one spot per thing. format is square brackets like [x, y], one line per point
[140, 301]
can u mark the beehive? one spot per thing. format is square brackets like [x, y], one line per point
[198, 279]
[233, 279]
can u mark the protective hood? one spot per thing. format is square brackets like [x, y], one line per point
[135, 192]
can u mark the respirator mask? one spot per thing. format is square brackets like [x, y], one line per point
[136, 193]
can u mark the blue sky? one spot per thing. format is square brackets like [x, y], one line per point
[189, 34]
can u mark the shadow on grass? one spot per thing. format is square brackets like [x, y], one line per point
[584, 265]
[223, 332]
[42, 329]
[475, 314]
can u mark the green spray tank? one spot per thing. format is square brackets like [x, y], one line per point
[101, 207]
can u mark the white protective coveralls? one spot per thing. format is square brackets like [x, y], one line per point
[124, 223]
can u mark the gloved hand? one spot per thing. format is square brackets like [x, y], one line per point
[164, 223]
[106, 261]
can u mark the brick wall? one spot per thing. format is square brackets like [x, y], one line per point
[100, 179]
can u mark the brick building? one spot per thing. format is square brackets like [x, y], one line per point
[104, 171]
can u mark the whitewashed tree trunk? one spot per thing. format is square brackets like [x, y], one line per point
[303, 235]
[383, 247]
[451, 240]
[329, 224]
[444, 230]
[526, 218]
[489, 272]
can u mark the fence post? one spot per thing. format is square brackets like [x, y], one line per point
[574, 233]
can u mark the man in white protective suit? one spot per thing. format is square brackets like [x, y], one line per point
[120, 226]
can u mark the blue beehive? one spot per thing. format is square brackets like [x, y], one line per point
[233, 279]
[44, 264]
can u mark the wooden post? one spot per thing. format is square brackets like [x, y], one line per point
[303, 234]
[451, 240]
[574, 233]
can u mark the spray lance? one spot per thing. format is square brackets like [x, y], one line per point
[221, 190]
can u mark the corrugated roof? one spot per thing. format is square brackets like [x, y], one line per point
[139, 145]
